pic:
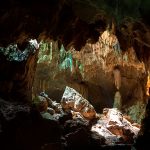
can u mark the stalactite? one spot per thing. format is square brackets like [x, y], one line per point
[117, 77]
[65, 60]
[45, 53]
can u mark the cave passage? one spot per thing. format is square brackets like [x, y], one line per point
[74, 74]
[104, 75]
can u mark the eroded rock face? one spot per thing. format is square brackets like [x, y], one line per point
[137, 33]
[74, 17]
[69, 14]
[17, 72]
[91, 73]
[72, 100]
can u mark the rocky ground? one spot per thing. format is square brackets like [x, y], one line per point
[73, 123]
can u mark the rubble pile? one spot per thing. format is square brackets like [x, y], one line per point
[115, 127]
[109, 128]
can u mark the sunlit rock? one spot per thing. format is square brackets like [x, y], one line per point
[34, 43]
[72, 100]
[102, 131]
[115, 128]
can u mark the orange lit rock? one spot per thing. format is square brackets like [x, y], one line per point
[88, 112]
[115, 128]
[72, 100]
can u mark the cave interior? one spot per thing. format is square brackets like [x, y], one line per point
[74, 74]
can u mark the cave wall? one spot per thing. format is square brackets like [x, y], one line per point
[66, 21]
[16, 78]
[95, 80]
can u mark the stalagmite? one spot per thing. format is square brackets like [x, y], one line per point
[117, 100]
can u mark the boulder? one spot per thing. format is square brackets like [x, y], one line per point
[115, 128]
[72, 100]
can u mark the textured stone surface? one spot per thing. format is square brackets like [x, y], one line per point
[115, 128]
[92, 76]
[130, 32]
[72, 100]
[17, 74]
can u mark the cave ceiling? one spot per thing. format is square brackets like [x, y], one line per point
[74, 22]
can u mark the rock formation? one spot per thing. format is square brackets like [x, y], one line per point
[17, 69]
[111, 126]
[92, 75]
[115, 128]
[72, 100]
[71, 23]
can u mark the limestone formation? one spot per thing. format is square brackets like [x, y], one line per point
[72, 100]
[111, 127]
[117, 100]
[117, 78]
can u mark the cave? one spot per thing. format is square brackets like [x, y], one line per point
[74, 74]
